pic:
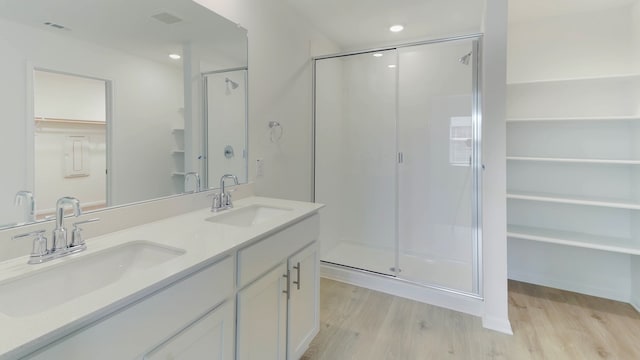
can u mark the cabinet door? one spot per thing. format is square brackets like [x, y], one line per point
[210, 337]
[304, 304]
[262, 317]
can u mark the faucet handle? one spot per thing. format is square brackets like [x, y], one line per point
[39, 248]
[76, 234]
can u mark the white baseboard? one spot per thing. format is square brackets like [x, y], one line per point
[636, 304]
[445, 299]
[571, 286]
[497, 324]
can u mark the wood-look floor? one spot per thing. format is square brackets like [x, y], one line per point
[357, 323]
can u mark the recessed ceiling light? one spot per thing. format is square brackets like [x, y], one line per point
[392, 66]
[396, 28]
[175, 56]
[377, 55]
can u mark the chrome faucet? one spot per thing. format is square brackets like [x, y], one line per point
[196, 178]
[30, 209]
[59, 247]
[223, 200]
[60, 233]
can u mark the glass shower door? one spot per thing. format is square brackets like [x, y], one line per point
[356, 160]
[438, 175]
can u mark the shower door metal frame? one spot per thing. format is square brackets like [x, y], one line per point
[477, 167]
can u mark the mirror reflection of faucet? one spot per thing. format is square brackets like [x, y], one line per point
[196, 182]
[30, 204]
[59, 247]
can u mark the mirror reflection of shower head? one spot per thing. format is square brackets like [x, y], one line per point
[234, 85]
[465, 59]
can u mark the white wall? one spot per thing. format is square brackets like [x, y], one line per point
[60, 96]
[494, 220]
[330, 150]
[14, 129]
[147, 97]
[573, 45]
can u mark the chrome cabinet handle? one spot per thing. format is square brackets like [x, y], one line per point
[288, 291]
[297, 282]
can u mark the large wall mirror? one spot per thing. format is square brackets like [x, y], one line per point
[116, 102]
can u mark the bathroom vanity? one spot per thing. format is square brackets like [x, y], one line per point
[239, 284]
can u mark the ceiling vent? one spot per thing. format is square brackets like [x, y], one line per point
[56, 26]
[165, 17]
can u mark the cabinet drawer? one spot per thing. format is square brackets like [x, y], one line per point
[133, 331]
[258, 258]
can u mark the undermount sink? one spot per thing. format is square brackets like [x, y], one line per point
[73, 277]
[248, 216]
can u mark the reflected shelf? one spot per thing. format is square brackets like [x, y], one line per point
[574, 160]
[612, 77]
[568, 238]
[574, 200]
[575, 118]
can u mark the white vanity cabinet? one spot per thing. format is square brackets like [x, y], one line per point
[262, 317]
[260, 301]
[304, 300]
[277, 319]
[188, 316]
[209, 337]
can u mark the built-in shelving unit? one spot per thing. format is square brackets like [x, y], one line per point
[178, 159]
[573, 152]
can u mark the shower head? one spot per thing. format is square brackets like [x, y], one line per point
[234, 85]
[465, 59]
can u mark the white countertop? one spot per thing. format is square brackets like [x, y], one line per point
[204, 242]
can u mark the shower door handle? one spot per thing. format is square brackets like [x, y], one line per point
[297, 282]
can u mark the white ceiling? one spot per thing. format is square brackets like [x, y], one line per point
[128, 26]
[357, 24]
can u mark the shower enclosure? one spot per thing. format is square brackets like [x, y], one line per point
[398, 163]
[225, 125]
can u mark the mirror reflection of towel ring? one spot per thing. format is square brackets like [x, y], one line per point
[276, 131]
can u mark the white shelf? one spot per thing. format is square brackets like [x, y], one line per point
[176, 130]
[174, 152]
[583, 118]
[589, 78]
[177, 173]
[574, 160]
[605, 243]
[574, 200]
